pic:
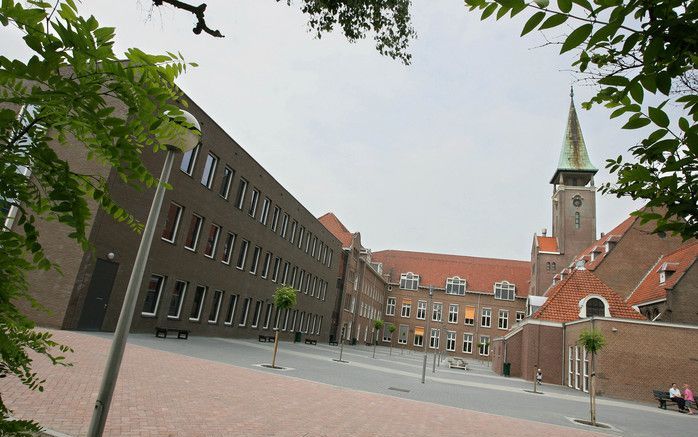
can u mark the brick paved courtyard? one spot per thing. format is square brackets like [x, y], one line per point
[167, 393]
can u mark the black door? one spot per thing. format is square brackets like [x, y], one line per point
[95, 306]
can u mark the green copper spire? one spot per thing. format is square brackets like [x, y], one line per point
[573, 156]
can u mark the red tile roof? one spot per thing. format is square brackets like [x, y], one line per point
[598, 246]
[480, 274]
[332, 223]
[678, 261]
[547, 244]
[563, 298]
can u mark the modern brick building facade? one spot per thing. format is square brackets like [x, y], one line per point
[228, 235]
[474, 300]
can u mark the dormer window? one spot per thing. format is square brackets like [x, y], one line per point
[409, 281]
[455, 285]
[504, 290]
[665, 271]
[662, 277]
[594, 306]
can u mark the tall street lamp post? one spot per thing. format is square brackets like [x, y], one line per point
[424, 340]
[187, 140]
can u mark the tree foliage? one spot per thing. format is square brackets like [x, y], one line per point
[389, 21]
[592, 339]
[378, 324]
[73, 91]
[642, 56]
[285, 297]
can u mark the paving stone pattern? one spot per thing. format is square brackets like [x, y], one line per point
[161, 393]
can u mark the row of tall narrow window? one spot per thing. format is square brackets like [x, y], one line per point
[455, 285]
[264, 315]
[291, 276]
[281, 222]
[469, 313]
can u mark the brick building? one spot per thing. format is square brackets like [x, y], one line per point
[669, 290]
[474, 300]
[361, 284]
[229, 235]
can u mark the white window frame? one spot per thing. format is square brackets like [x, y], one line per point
[416, 337]
[421, 310]
[218, 306]
[224, 190]
[434, 338]
[455, 286]
[486, 315]
[453, 313]
[214, 245]
[503, 289]
[207, 179]
[197, 234]
[409, 281]
[244, 247]
[225, 259]
[245, 311]
[180, 210]
[520, 315]
[242, 193]
[437, 308]
[503, 319]
[231, 311]
[451, 341]
[201, 305]
[254, 201]
[467, 343]
[259, 305]
[266, 264]
[157, 297]
[181, 299]
[390, 307]
[192, 155]
[275, 218]
[484, 346]
[266, 203]
[406, 310]
[255, 260]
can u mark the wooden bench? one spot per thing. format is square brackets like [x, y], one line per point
[266, 338]
[333, 343]
[663, 397]
[162, 332]
[310, 341]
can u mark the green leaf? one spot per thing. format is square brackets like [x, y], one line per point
[578, 36]
[489, 10]
[664, 82]
[636, 91]
[533, 22]
[564, 5]
[658, 117]
[584, 3]
[619, 81]
[553, 21]
[636, 122]
[649, 82]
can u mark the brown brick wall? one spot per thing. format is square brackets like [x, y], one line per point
[640, 357]
[477, 300]
[682, 300]
[626, 264]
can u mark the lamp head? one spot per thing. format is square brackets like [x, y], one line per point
[186, 133]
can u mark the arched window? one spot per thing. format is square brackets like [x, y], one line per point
[595, 307]
[577, 220]
[554, 267]
[547, 266]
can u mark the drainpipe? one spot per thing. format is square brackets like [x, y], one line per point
[564, 347]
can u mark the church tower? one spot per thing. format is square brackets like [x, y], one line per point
[573, 209]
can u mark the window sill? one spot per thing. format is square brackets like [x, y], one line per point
[190, 249]
[173, 317]
[148, 315]
[194, 320]
[172, 242]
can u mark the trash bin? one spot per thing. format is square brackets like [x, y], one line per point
[353, 341]
[507, 369]
[297, 337]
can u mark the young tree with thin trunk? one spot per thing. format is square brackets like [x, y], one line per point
[378, 324]
[285, 298]
[593, 341]
[391, 329]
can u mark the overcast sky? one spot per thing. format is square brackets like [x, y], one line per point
[451, 154]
